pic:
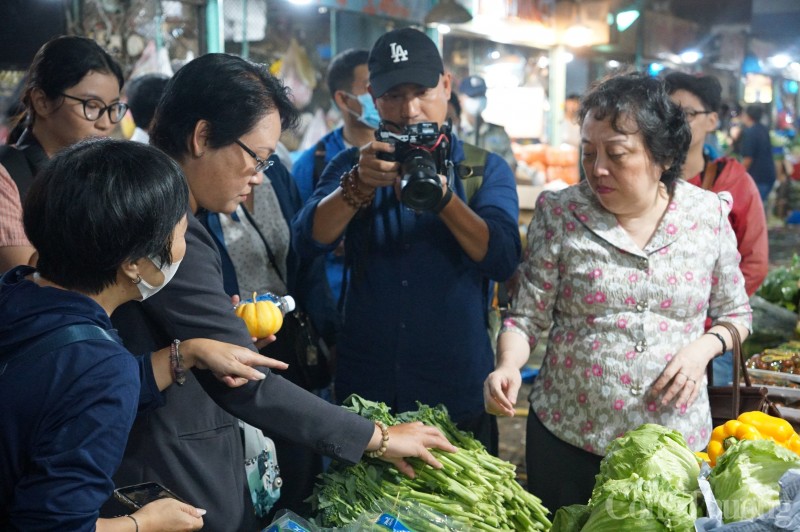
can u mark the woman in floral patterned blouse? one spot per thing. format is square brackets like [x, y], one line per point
[623, 270]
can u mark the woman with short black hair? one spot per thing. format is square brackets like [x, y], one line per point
[108, 219]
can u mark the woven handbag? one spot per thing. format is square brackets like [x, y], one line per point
[727, 402]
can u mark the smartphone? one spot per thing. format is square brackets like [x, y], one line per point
[137, 495]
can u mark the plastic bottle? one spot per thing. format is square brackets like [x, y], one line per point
[263, 314]
[285, 303]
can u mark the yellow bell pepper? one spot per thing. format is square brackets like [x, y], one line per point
[724, 436]
[793, 444]
[771, 427]
[702, 456]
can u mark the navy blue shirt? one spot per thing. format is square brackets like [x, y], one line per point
[303, 173]
[415, 315]
[756, 144]
[65, 415]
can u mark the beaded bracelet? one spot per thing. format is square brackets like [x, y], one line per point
[350, 191]
[135, 522]
[176, 363]
[384, 441]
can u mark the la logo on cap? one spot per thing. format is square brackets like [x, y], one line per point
[398, 53]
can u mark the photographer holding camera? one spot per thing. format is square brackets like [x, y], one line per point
[419, 247]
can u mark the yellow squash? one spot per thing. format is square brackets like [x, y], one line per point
[262, 318]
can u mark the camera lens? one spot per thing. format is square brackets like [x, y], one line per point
[421, 188]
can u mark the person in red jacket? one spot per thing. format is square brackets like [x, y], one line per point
[700, 98]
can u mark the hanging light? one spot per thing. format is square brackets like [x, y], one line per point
[448, 12]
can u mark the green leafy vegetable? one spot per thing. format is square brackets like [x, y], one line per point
[745, 479]
[782, 285]
[641, 505]
[473, 488]
[650, 451]
[571, 518]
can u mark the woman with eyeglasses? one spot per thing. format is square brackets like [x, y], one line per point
[72, 93]
[220, 118]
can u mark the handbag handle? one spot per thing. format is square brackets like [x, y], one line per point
[739, 369]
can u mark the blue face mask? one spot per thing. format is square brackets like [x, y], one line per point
[369, 113]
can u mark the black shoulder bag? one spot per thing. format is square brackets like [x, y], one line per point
[297, 342]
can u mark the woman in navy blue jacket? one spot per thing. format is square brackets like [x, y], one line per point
[108, 220]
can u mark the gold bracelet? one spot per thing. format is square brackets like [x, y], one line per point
[350, 191]
[384, 442]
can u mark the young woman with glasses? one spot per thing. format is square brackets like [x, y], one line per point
[72, 92]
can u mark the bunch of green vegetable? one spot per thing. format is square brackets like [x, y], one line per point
[782, 285]
[474, 488]
[745, 479]
[647, 481]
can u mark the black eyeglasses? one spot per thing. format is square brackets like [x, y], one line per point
[691, 114]
[93, 109]
[261, 164]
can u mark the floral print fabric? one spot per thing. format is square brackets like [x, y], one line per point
[619, 313]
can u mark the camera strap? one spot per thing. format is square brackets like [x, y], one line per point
[471, 169]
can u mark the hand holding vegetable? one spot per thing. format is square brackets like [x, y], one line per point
[411, 439]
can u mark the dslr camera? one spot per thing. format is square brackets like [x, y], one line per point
[423, 152]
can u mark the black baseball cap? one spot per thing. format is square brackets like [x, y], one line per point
[403, 56]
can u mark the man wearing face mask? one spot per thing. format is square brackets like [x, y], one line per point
[490, 137]
[347, 82]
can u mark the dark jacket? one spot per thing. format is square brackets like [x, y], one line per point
[416, 309]
[192, 445]
[306, 276]
[65, 414]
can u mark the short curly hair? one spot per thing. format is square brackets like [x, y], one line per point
[643, 98]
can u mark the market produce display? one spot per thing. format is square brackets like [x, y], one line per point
[784, 359]
[752, 426]
[745, 479]
[647, 481]
[475, 490]
[782, 285]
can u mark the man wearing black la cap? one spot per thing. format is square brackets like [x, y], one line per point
[415, 311]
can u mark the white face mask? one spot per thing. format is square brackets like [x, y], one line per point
[474, 106]
[168, 270]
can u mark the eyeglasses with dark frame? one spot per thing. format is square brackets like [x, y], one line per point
[261, 164]
[691, 114]
[93, 108]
